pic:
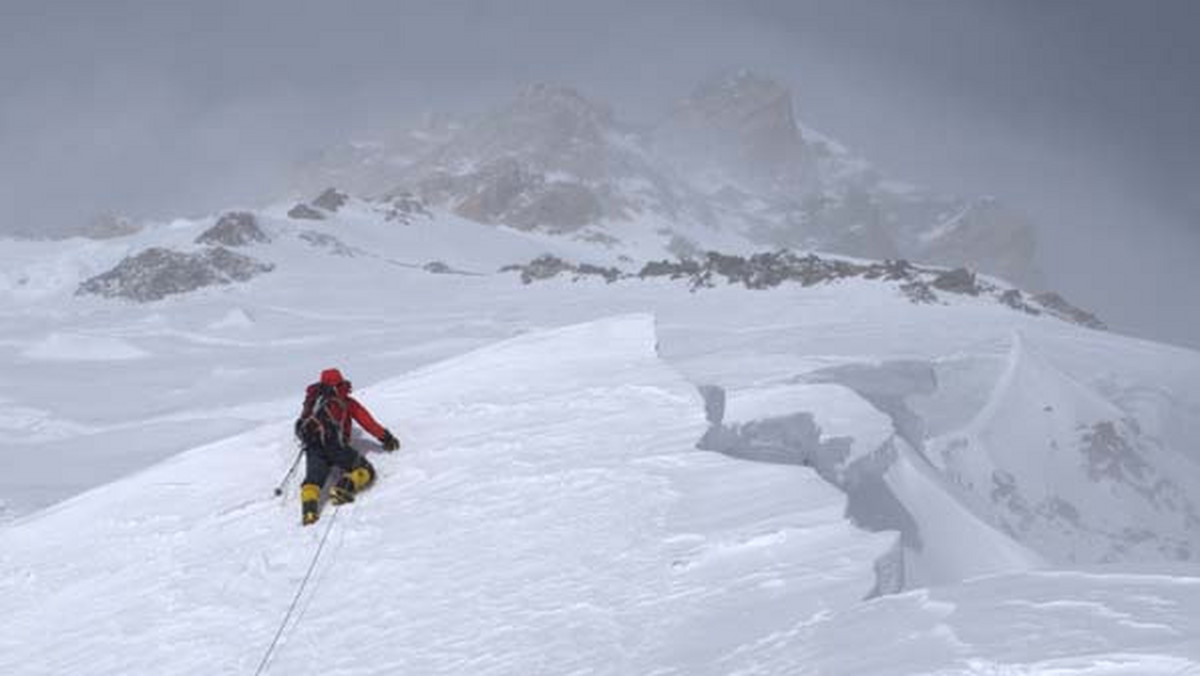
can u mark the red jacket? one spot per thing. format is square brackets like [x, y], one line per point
[345, 410]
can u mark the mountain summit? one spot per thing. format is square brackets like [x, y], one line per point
[730, 167]
[739, 128]
[549, 159]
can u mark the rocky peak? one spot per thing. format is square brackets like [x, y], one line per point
[547, 128]
[731, 98]
[738, 128]
[234, 229]
[550, 158]
[562, 107]
[731, 155]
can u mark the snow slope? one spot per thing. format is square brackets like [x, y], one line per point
[1056, 463]
[566, 460]
[226, 359]
[1062, 623]
[549, 514]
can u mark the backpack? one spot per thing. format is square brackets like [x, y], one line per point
[321, 421]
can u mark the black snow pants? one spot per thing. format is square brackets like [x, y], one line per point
[319, 459]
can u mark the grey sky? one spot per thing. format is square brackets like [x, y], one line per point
[1085, 114]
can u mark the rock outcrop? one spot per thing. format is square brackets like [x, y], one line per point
[547, 266]
[331, 200]
[157, 273]
[403, 208]
[1057, 305]
[234, 229]
[767, 270]
[303, 212]
[324, 205]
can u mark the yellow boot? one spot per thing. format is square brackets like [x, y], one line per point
[310, 504]
[350, 484]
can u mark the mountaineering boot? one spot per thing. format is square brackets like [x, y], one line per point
[309, 513]
[310, 505]
[343, 491]
[351, 483]
[362, 476]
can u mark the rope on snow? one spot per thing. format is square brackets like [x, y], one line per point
[296, 599]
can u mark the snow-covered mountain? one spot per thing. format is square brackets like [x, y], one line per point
[552, 160]
[612, 462]
[709, 396]
[730, 165]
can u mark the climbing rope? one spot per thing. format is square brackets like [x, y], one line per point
[334, 548]
[296, 599]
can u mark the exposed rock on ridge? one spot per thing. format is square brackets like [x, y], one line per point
[235, 228]
[768, 270]
[157, 273]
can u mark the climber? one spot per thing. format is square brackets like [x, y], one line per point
[324, 431]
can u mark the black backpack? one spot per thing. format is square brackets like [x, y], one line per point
[319, 423]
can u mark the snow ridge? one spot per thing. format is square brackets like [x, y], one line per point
[505, 539]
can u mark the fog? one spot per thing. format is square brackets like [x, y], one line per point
[1085, 115]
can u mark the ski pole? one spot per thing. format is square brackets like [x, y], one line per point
[279, 488]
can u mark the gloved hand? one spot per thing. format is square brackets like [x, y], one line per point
[390, 443]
